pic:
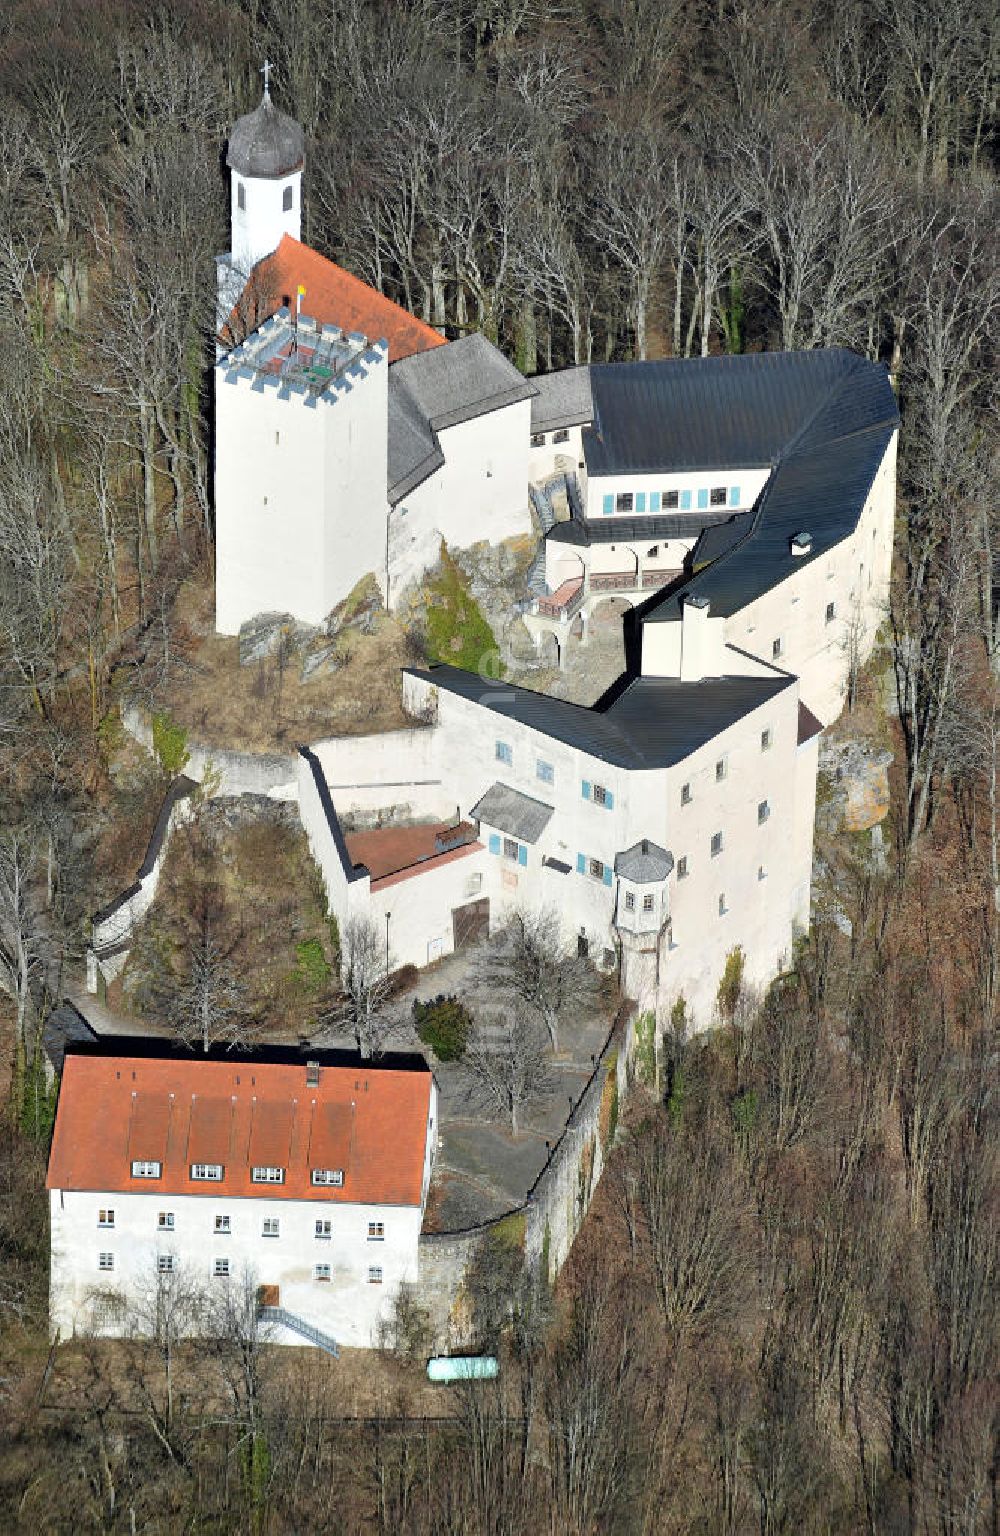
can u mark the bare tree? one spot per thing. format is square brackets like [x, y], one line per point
[163, 1310]
[532, 961]
[506, 1059]
[365, 1007]
[22, 939]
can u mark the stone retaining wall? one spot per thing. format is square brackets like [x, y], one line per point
[231, 772]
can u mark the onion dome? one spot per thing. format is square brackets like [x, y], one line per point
[266, 143]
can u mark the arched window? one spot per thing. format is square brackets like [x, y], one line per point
[286, 201]
[241, 195]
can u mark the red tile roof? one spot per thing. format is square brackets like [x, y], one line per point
[332, 296]
[368, 1120]
[387, 850]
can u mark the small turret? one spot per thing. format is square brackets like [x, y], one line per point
[266, 155]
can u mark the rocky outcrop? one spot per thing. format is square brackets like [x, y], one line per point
[855, 775]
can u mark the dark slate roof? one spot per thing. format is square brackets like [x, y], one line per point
[439, 388]
[809, 726]
[65, 1027]
[584, 531]
[514, 813]
[563, 400]
[265, 142]
[653, 723]
[462, 380]
[414, 451]
[719, 538]
[821, 481]
[706, 412]
[644, 862]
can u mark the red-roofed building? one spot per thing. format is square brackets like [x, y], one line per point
[330, 295]
[310, 1176]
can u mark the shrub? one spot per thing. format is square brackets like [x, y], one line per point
[313, 968]
[731, 985]
[457, 631]
[170, 745]
[444, 1025]
[645, 1049]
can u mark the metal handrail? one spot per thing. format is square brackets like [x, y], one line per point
[301, 1327]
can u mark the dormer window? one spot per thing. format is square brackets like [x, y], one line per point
[208, 1173]
[267, 1175]
[146, 1170]
[334, 1176]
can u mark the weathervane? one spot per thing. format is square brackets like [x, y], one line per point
[266, 72]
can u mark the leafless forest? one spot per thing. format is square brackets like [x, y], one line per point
[783, 1312]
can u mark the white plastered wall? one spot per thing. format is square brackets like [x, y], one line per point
[299, 492]
[258, 228]
[480, 493]
[552, 458]
[749, 482]
[854, 577]
[347, 1306]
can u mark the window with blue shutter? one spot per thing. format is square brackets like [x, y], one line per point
[734, 495]
[685, 501]
[609, 800]
[586, 789]
[494, 842]
[522, 854]
[609, 505]
[654, 501]
[702, 499]
[640, 501]
[607, 874]
[581, 863]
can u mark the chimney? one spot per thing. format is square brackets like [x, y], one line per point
[694, 638]
[802, 544]
[312, 1074]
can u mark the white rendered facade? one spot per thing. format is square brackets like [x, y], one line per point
[346, 1304]
[299, 486]
[262, 209]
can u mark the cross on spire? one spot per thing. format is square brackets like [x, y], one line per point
[266, 72]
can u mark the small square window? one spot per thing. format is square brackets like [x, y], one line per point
[222, 1224]
[765, 739]
[374, 1274]
[648, 903]
[685, 794]
[629, 901]
[722, 906]
[538, 439]
[682, 867]
[322, 1271]
[165, 1263]
[763, 812]
[545, 772]
[831, 612]
[504, 753]
[105, 1261]
[776, 648]
[324, 1230]
[376, 1231]
[510, 849]
[716, 843]
[221, 1268]
[608, 959]
[721, 769]
[600, 794]
[670, 499]
[624, 501]
[105, 1218]
[287, 200]
[652, 552]
[562, 436]
[270, 1227]
[241, 195]
[596, 869]
[165, 1221]
[718, 496]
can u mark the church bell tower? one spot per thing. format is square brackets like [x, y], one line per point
[265, 157]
